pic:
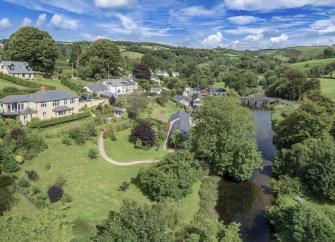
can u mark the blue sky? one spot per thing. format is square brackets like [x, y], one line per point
[239, 24]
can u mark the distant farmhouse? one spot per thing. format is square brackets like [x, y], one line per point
[180, 122]
[162, 74]
[122, 86]
[44, 104]
[17, 69]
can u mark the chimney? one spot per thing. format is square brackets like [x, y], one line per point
[43, 89]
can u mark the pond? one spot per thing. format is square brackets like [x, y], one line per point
[245, 202]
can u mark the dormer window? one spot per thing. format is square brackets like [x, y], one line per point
[11, 67]
[28, 68]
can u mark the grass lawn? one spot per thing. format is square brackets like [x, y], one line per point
[54, 83]
[92, 184]
[219, 85]
[307, 65]
[131, 55]
[4, 83]
[163, 113]
[328, 87]
[122, 150]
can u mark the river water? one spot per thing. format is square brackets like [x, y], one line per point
[245, 202]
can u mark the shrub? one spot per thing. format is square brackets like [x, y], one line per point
[132, 114]
[66, 140]
[23, 182]
[124, 186]
[54, 121]
[32, 175]
[92, 153]
[144, 132]
[23, 82]
[90, 130]
[77, 135]
[9, 165]
[55, 193]
[40, 200]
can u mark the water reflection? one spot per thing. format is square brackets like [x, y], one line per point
[245, 202]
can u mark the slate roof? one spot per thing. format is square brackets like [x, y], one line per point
[180, 98]
[119, 82]
[118, 109]
[61, 108]
[108, 94]
[40, 96]
[181, 121]
[17, 67]
[96, 87]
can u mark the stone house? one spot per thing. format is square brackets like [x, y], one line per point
[17, 69]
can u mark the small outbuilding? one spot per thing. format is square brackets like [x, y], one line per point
[119, 112]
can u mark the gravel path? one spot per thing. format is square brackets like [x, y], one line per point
[116, 163]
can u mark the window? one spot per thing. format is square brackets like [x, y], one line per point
[65, 102]
[44, 113]
[55, 103]
[43, 104]
[72, 100]
[62, 113]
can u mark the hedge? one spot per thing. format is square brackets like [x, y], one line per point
[23, 82]
[4, 93]
[54, 121]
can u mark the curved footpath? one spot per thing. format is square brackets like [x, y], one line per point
[116, 163]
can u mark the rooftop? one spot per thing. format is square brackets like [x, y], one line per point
[17, 67]
[181, 121]
[40, 96]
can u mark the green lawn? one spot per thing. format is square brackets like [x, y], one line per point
[131, 55]
[219, 85]
[328, 87]
[4, 83]
[163, 113]
[54, 83]
[122, 150]
[306, 65]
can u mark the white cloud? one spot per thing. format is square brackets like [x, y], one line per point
[254, 37]
[42, 18]
[279, 39]
[5, 23]
[26, 22]
[324, 26]
[213, 40]
[193, 11]
[243, 20]
[245, 30]
[128, 26]
[250, 5]
[114, 3]
[62, 22]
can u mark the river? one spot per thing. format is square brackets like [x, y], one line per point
[245, 202]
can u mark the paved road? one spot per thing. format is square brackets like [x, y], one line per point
[116, 163]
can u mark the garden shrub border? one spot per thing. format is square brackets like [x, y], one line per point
[54, 121]
[23, 82]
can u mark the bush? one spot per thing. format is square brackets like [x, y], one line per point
[66, 140]
[77, 135]
[32, 175]
[23, 182]
[54, 121]
[74, 85]
[124, 186]
[55, 193]
[92, 153]
[40, 200]
[9, 165]
[144, 132]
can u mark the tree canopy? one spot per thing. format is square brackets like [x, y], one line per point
[172, 177]
[99, 58]
[134, 222]
[33, 46]
[224, 135]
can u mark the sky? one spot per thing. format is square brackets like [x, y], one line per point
[237, 24]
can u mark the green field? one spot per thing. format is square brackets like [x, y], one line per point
[163, 113]
[122, 150]
[131, 55]
[93, 185]
[53, 83]
[4, 83]
[307, 65]
[328, 87]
